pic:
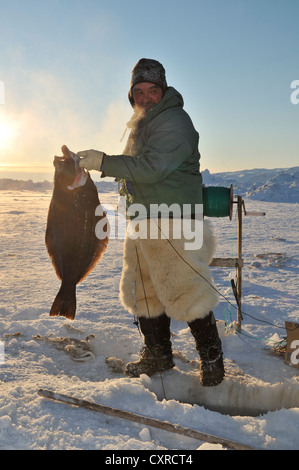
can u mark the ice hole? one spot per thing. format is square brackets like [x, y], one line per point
[235, 396]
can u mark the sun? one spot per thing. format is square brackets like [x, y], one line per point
[5, 131]
[8, 131]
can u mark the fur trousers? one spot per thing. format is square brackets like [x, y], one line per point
[160, 275]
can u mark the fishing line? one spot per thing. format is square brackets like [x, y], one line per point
[217, 201]
[241, 333]
[149, 316]
[185, 261]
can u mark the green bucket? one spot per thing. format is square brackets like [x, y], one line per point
[217, 201]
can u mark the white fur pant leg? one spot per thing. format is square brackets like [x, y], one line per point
[182, 278]
[175, 280]
[137, 293]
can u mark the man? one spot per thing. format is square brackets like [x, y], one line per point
[160, 279]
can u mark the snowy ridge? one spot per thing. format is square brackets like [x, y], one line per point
[277, 185]
[8, 184]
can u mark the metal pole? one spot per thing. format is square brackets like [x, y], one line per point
[239, 267]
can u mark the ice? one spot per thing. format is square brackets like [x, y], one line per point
[258, 402]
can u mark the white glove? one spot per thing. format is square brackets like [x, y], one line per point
[91, 159]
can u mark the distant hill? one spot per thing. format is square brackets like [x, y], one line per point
[276, 185]
[8, 184]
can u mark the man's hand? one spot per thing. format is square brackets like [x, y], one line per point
[91, 159]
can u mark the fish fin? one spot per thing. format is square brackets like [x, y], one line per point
[64, 304]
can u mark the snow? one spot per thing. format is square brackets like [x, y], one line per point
[276, 185]
[258, 402]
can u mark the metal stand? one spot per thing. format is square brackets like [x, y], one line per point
[237, 262]
[239, 267]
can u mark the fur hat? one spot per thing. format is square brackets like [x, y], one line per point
[147, 70]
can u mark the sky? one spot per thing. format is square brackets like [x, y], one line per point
[65, 70]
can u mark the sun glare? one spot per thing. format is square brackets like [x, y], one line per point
[8, 131]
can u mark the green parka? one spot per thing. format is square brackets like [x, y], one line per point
[160, 163]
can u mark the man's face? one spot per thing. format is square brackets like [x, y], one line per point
[145, 95]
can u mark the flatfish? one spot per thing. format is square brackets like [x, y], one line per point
[71, 239]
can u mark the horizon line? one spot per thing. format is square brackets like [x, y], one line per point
[50, 169]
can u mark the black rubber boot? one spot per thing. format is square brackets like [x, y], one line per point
[209, 348]
[157, 353]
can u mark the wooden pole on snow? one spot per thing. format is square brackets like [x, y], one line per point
[156, 423]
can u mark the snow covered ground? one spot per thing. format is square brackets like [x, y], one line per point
[258, 402]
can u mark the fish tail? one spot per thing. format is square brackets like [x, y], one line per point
[64, 304]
